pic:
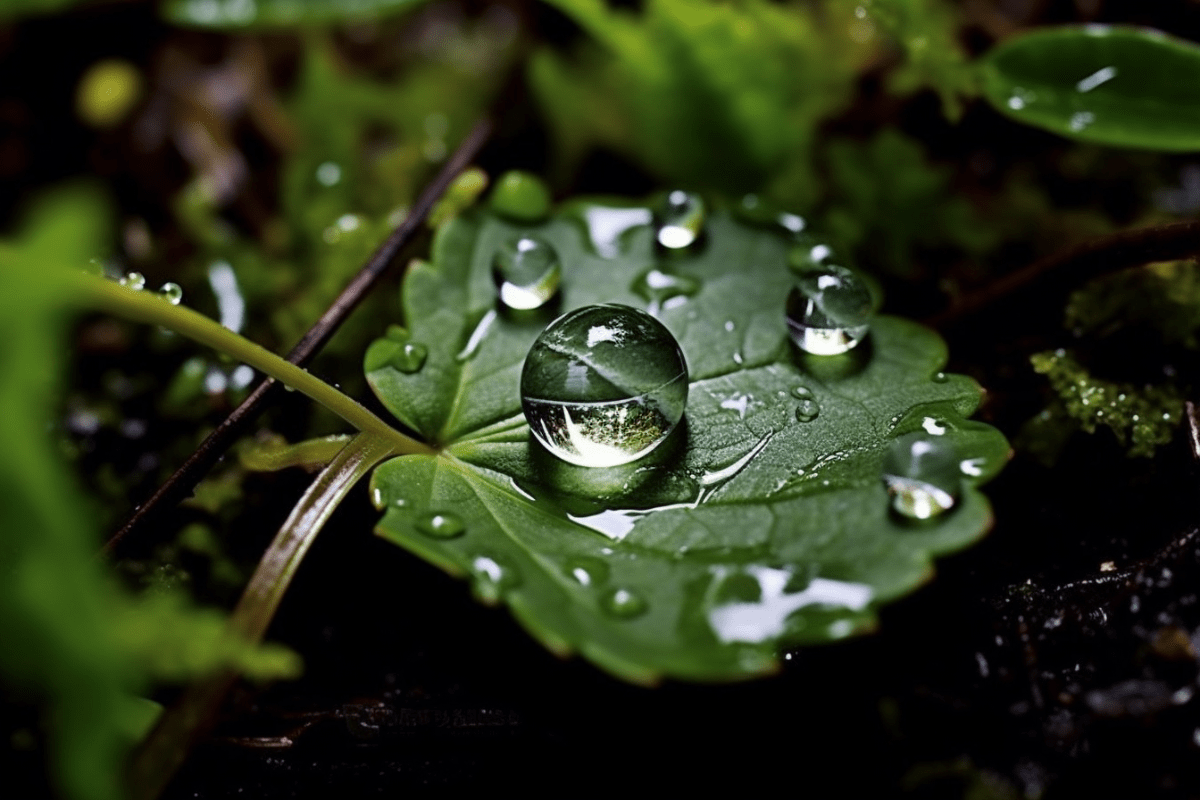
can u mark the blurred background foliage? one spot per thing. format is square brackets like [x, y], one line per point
[257, 151]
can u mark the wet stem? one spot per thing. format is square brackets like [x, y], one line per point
[165, 748]
[140, 306]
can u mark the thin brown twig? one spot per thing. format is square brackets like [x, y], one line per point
[1062, 271]
[189, 473]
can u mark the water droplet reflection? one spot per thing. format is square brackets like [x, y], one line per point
[526, 272]
[680, 220]
[604, 385]
[923, 475]
[828, 310]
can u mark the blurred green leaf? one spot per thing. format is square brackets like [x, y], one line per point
[699, 93]
[72, 639]
[1124, 86]
[927, 30]
[21, 8]
[238, 14]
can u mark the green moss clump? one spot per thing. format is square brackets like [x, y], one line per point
[1141, 418]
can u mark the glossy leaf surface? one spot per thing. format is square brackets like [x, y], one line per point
[747, 531]
[1125, 86]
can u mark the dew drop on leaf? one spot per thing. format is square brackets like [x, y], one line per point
[604, 385]
[405, 356]
[939, 377]
[172, 293]
[663, 290]
[526, 272]
[494, 577]
[587, 571]
[828, 310]
[440, 525]
[134, 280]
[923, 475]
[807, 410]
[623, 603]
[680, 220]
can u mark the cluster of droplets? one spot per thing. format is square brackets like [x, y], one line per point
[170, 291]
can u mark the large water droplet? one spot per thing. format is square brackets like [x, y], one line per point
[923, 475]
[680, 220]
[664, 290]
[604, 385]
[623, 603]
[440, 525]
[172, 293]
[134, 280]
[828, 310]
[527, 273]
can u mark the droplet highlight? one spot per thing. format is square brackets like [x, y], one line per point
[624, 603]
[440, 525]
[604, 385]
[587, 571]
[134, 280]
[527, 273]
[680, 220]
[172, 293]
[923, 476]
[828, 310]
[664, 290]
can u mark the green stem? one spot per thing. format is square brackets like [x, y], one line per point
[141, 306]
[164, 750]
[311, 453]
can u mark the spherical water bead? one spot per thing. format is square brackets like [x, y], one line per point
[604, 385]
[527, 273]
[172, 293]
[134, 280]
[680, 220]
[923, 476]
[440, 525]
[828, 310]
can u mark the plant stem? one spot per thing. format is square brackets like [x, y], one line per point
[142, 306]
[165, 748]
[189, 472]
[1062, 271]
[310, 453]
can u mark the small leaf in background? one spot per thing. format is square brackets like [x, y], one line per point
[1123, 86]
[236, 14]
[701, 93]
[762, 522]
[927, 30]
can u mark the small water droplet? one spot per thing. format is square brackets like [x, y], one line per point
[441, 525]
[172, 293]
[400, 354]
[923, 476]
[939, 377]
[526, 272]
[624, 603]
[664, 290]
[329, 174]
[1097, 78]
[680, 220]
[828, 310]
[1081, 120]
[739, 403]
[134, 280]
[808, 256]
[807, 410]
[587, 571]
[493, 577]
[604, 385]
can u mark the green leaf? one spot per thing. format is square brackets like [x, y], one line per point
[747, 531]
[235, 14]
[701, 93]
[1131, 87]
